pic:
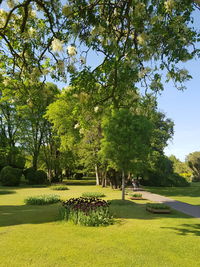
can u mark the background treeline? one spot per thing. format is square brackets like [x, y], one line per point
[47, 135]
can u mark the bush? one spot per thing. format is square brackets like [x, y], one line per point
[87, 211]
[59, 187]
[10, 176]
[35, 177]
[29, 173]
[177, 180]
[159, 206]
[42, 200]
[93, 194]
[135, 195]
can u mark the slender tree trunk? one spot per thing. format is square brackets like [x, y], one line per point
[123, 185]
[97, 174]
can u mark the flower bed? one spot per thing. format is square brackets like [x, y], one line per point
[87, 211]
[158, 208]
[136, 197]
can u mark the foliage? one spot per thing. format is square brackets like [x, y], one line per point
[179, 166]
[35, 177]
[59, 187]
[42, 200]
[193, 160]
[135, 195]
[10, 176]
[125, 138]
[93, 194]
[162, 174]
[80, 182]
[158, 206]
[87, 211]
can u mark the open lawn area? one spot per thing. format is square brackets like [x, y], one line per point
[34, 235]
[190, 195]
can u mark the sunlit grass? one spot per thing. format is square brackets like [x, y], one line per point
[34, 235]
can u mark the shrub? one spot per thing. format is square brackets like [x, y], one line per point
[177, 180]
[159, 206]
[93, 194]
[135, 195]
[42, 200]
[35, 177]
[59, 187]
[29, 173]
[10, 176]
[87, 211]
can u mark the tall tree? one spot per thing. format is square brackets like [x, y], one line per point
[32, 110]
[126, 137]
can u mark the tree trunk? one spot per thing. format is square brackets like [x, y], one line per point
[97, 174]
[35, 160]
[123, 185]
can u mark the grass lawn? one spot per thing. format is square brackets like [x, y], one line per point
[190, 195]
[33, 235]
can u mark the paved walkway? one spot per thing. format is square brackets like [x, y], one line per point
[189, 209]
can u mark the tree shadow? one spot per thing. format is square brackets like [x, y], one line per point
[26, 214]
[186, 229]
[126, 209]
[7, 192]
[22, 186]
[32, 214]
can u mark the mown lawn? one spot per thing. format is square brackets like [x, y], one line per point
[34, 236]
[190, 195]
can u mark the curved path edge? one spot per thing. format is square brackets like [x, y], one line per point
[183, 207]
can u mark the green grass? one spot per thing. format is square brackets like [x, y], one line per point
[34, 235]
[93, 194]
[190, 195]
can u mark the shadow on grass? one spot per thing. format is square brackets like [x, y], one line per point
[186, 229]
[26, 214]
[126, 209]
[7, 192]
[21, 186]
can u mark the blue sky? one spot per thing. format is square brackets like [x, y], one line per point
[184, 109]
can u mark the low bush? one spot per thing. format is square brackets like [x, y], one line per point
[35, 177]
[135, 195]
[93, 194]
[59, 187]
[87, 211]
[159, 206]
[42, 200]
[10, 176]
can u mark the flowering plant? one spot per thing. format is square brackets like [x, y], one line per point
[87, 211]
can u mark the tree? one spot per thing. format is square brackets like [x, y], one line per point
[193, 160]
[54, 37]
[179, 166]
[126, 137]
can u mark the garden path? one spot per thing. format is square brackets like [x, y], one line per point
[192, 210]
